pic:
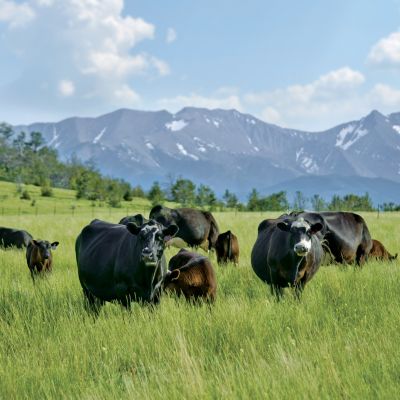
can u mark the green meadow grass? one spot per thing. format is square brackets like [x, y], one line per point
[341, 340]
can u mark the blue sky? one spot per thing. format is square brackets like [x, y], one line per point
[306, 65]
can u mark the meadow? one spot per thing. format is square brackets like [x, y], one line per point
[341, 340]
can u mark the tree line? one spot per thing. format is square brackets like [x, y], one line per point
[24, 158]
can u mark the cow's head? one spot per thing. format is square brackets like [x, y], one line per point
[44, 247]
[152, 237]
[171, 280]
[301, 232]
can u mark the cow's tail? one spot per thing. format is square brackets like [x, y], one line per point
[214, 231]
[229, 244]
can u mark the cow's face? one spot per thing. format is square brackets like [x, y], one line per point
[300, 234]
[171, 280]
[152, 237]
[44, 247]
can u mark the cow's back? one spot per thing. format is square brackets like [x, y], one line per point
[102, 249]
[18, 238]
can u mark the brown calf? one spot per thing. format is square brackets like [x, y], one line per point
[39, 257]
[227, 248]
[192, 275]
[379, 252]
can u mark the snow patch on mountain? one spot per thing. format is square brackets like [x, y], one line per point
[348, 136]
[183, 151]
[99, 136]
[54, 138]
[175, 126]
[396, 128]
[149, 146]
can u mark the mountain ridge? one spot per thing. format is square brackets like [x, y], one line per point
[225, 148]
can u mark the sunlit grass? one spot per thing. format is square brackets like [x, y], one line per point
[340, 341]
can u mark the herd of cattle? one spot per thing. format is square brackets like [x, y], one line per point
[125, 262]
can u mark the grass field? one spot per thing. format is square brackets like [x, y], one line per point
[340, 341]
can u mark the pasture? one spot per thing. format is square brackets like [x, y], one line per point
[340, 341]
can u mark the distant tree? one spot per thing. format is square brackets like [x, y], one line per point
[183, 192]
[156, 194]
[230, 199]
[335, 203]
[36, 141]
[317, 203]
[205, 197]
[253, 203]
[300, 201]
[275, 202]
[137, 191]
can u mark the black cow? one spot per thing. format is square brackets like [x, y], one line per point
[123, 263]
[346, 235]
[287, 252]
[227, 248]
[10, 237]
[138, 219]
[39, 257]
[196, 228]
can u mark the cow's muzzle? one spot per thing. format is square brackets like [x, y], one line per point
[300, 249]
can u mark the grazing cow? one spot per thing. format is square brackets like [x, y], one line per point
[196, 228]
[122, 263]
[227, 248]
[192, 275]
[287, 252]
[346, 235]
[138, 219]
[10, 237]
[39, 257]
[379, 252]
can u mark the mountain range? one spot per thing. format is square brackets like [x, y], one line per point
[229, 149]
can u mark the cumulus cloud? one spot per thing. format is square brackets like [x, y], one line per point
[16, 14]
[93, 42]
[195, 100]
[171, 35]
[386, 52]
[337, 96]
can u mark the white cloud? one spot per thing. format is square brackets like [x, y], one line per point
[387, 51]
[16, 14]
[66, 88]
[171, 35]
[91, 42]
[195, 100]
[385, 95]
[337, 96]
[126, 95]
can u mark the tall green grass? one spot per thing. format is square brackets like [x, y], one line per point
[340, 341]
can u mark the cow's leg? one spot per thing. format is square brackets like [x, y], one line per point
[298, 290]
[361, 256]
[277, 291]
[92, 303]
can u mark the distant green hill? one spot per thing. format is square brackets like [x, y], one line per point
[63, 201]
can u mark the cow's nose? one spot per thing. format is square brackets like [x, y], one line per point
[300, 248]
[147, 253]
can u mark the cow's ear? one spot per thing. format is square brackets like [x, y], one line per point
[174, 275]
[170, 232]
[315, 228]
[35, 242]
[284, 226]
[54, 245]
[133, 228]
